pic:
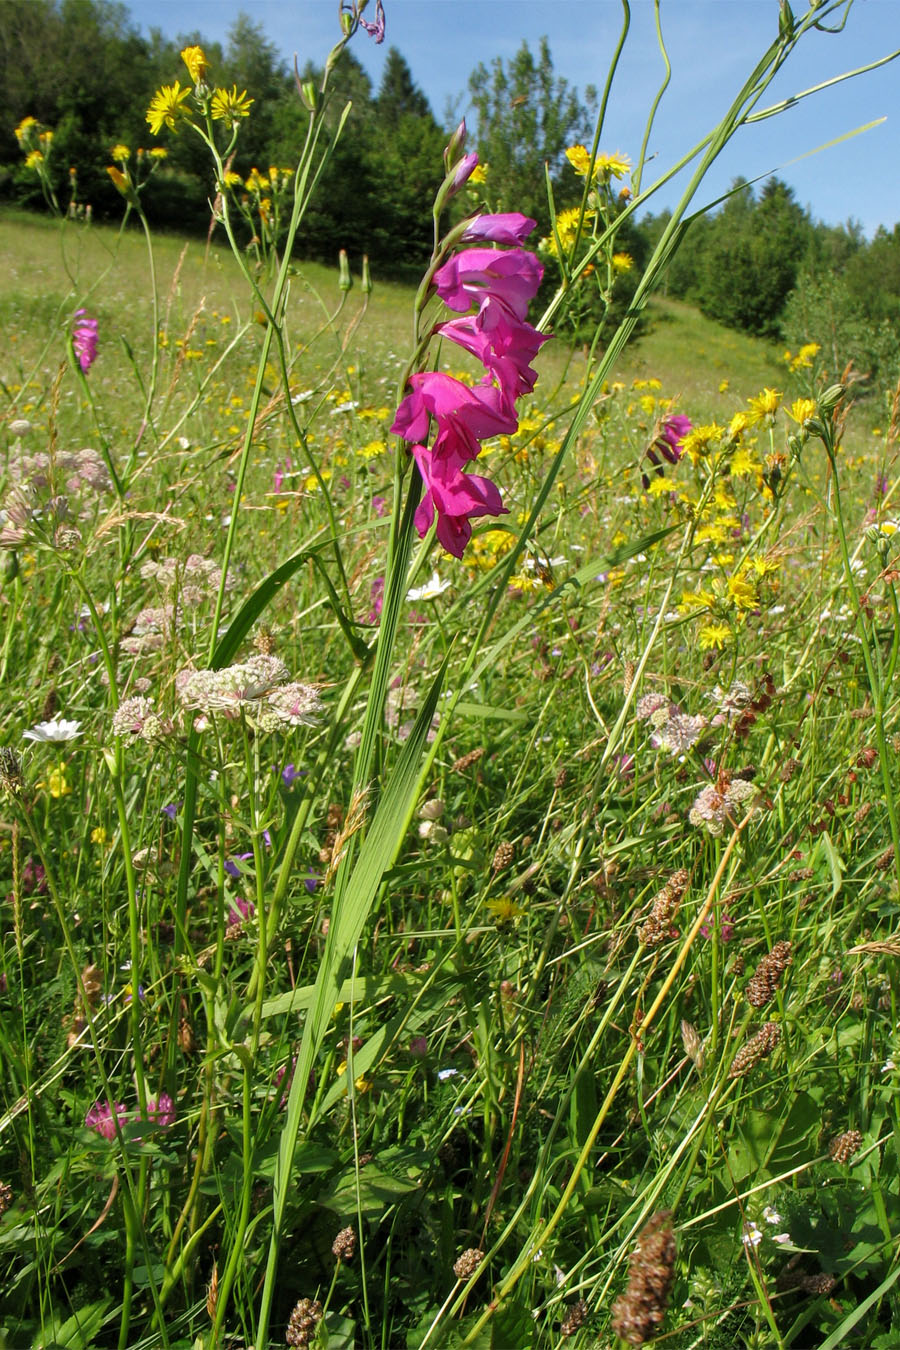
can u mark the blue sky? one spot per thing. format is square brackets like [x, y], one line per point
[712, 44]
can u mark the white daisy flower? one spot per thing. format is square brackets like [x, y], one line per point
[57, 729]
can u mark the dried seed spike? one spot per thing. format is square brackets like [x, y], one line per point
[757, 1048]
[638, 1313]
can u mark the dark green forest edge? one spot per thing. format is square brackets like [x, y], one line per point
[760, 263]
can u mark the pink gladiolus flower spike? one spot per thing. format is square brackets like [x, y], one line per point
[84, 340]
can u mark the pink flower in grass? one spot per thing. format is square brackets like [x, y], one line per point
[161, 1111]
[474, 413]
[504, 227]
[100, 1118]
[455, 497]
[84, 340]
[671, 432]
[512, 276]
[503, 344]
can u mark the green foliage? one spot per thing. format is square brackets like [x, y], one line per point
[527, 116]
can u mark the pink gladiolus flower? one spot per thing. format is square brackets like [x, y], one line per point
[512, 276]
[100, 1118]
[476, 413]
[456, 497]
[84, 340]
[462, 173]
[509, 227]
[502, 343]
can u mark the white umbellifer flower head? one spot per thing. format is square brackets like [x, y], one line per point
[431, 589]
[57, 729]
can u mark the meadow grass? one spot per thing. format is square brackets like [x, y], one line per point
[413, 950]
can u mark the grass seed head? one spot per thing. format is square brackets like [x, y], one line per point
[638, 1313]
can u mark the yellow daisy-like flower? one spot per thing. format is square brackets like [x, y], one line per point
[34, 159]
[504, 910]
[692, 601]
[233, 179]
[714, 636]
[257, 183]
[158, 152]
[611, 166]
[120, 154]
[622, 262]
[98, 835]
[802, 409]
[166, 107]
[45, 137]
[25, 128]
[699, 440]
[195, 60]
[230, 106]
[742, 592]
[479, 173]
[579, 158]
[764, 405]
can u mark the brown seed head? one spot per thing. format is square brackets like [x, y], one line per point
[305, 1318]
[503, 856]
[663, 909]
[575, 1318]
[638, 1313]
[466, 1265]
[843, 1146]
[6, 1197]
[757, 1048]
[466, 761]
[344, 1245]
[762, 985]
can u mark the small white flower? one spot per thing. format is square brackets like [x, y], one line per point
[444, 1074]
[771, 1215]
[752, 1234]
[430, 591]
[54, 730]
[888, 1066]
[20, 426]
[783, 1239]
[349, 406]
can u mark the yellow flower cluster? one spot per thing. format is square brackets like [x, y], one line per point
[605, 167]
[804, 358]
[167, 107]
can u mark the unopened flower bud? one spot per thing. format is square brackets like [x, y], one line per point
[345, 280]
[454, 147]
[365, 284]
[831, 397]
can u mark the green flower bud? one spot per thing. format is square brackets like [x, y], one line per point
[345, 281]
[366, 282]
[831, 397]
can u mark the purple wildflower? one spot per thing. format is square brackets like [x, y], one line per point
[161, 1111]
[84, 340]
[375, 30]
[100, 1118]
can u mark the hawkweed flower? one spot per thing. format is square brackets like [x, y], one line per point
[197, 65]
[56, 730]
[84, 340]
[167, 107]
[230, 106]
[102, 1118]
